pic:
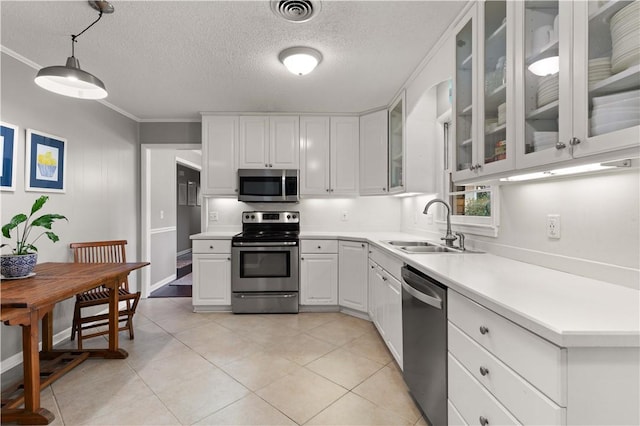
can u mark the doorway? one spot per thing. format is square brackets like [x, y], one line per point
[162, 198]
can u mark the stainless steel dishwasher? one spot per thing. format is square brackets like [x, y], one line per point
[424, 333]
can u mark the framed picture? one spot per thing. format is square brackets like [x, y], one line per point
[8, 143]
[46, 157]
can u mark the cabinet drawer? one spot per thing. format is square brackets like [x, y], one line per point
[318, 246]
[538, 361]
[211, 246]
[386, 262]
[454, 417]
[472, 400]
[524, 401]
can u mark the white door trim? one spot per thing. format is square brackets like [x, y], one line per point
[145, 205]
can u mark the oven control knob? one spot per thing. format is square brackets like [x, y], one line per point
[246, 216]
[294, 216]
[253, 216]
[288, 216]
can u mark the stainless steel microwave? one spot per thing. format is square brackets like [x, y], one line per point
[268, 185]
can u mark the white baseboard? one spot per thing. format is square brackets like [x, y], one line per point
[218, 308]
[354, 313]
[14, 360]
[183, 252]
[162, 282]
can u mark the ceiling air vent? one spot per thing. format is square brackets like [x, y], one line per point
[295, 10]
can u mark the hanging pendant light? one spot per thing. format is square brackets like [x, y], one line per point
[70, 80]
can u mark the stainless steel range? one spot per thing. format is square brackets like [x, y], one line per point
[265, 263]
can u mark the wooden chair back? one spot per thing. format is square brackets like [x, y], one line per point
[101, 252]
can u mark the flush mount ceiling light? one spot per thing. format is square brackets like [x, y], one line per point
[300, 60]
[545, 66]
[70, 80]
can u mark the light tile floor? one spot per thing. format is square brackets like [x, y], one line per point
[225, 369]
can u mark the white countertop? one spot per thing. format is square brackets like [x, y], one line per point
[566, 309]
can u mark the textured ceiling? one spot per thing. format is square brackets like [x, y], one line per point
[174, 59]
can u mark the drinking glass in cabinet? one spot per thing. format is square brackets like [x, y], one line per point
[542, 75]
[495, 93]
[464, 90]
[614, 66]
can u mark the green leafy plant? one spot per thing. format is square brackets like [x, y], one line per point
[24, 245]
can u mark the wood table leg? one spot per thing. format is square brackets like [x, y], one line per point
[47, 331]
[114, 350]
[32, 413]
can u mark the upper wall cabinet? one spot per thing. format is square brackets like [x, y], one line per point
[329, 155]
[397, 145]
[373, 153]
[512, 113]
[597, 111]
[483, 88]
[219, 142]
[269, 142]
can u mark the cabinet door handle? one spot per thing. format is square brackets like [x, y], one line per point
[302, 258]
[327, 189]
[560, 145]
[484, 421]
[574, 141]
[484, 371]
[266, 165]
[362, 245]
[319, 247]
[228, 258]
[483, 329]
[211, 247]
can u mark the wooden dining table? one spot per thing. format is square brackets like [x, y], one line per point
[28, 301]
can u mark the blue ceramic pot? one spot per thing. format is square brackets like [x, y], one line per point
[16, 266]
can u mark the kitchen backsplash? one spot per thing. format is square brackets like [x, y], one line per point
[318, 214]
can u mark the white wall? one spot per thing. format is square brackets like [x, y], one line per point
[102, 192]
[317, 215]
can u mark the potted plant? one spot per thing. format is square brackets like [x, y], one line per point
[23, 257]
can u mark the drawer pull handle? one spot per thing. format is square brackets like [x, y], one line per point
[484, 371]
[484, 421]
[211, 247]
[483, 329]
[228, 258]
[319, 247]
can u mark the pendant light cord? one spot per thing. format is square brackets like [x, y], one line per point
[74, 37]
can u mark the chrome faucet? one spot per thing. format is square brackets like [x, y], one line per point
[449, 238]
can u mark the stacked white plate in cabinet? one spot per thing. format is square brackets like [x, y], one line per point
[502, 114]
[615, 112]
[544, 140]
[548, 89]
[625, 38]
[599, 69]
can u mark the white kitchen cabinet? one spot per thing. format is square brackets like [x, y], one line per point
[583, 123]
[483, 92]
[345, 154]
[509, 375]
[393, 317]
[269, 142]
[397, 145]
[319, 272]
[374, 153]
[211, 274]
[353, 275]
[219, 155]
[385, 302]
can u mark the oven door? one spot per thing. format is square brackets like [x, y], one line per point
[263, 267]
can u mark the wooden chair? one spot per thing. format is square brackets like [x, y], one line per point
[102, 252]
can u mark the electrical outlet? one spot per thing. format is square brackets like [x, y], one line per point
[553, 226]
[213, 216]
[345, 216]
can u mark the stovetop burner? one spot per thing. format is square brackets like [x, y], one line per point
[269, 226]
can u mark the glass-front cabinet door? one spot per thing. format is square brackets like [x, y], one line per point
[607, 87]
[495, 148]
[464, 163]
[396, 144]
[544, 39]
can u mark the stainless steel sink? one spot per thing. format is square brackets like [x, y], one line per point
[412, 243]
[430, 249]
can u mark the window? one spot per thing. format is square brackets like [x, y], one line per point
[474, 208]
